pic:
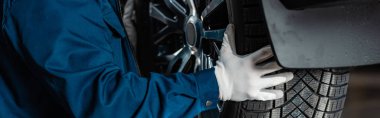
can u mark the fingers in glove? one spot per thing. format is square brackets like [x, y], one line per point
[264, 95]
[277, 79]
[261, 55]
[268, 67]
[229, 38]
[229, 33]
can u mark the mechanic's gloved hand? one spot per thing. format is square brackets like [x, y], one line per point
[240, 78]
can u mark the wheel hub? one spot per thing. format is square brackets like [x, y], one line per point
[193, 29]
[191, 34]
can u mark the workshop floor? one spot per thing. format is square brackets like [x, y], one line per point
[363, 99]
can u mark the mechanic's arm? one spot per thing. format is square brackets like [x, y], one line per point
[67, 43]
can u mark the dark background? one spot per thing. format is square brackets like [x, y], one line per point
[363, 99]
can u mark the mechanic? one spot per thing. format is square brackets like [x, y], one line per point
[71, 58]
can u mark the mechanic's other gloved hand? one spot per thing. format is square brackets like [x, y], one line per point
[240, 78]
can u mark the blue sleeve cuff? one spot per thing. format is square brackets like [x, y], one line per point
[208, 89]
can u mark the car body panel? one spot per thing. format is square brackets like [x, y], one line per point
[306, 4]
[327, 37]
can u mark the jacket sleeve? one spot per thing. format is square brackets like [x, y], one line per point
[66, 43]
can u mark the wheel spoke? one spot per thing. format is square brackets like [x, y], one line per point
[193, 9]
[211, 7]
[216, 48]
[183, 56]
[156, 13]
[172, 56]
[174, 60]
[176, 7]
[197, 64]
[184, 61]
[216, 35]
[161, 35]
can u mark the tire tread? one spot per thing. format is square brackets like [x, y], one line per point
[303, 100]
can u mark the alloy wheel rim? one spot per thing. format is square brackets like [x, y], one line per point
[188, 21]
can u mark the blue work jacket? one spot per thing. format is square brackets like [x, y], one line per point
[71, 58]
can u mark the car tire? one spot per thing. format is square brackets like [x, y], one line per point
[311, 94]
[315, 93]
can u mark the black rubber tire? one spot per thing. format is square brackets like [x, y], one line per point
[251, 30]
[312, 93]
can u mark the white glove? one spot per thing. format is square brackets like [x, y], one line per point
[240, 79]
